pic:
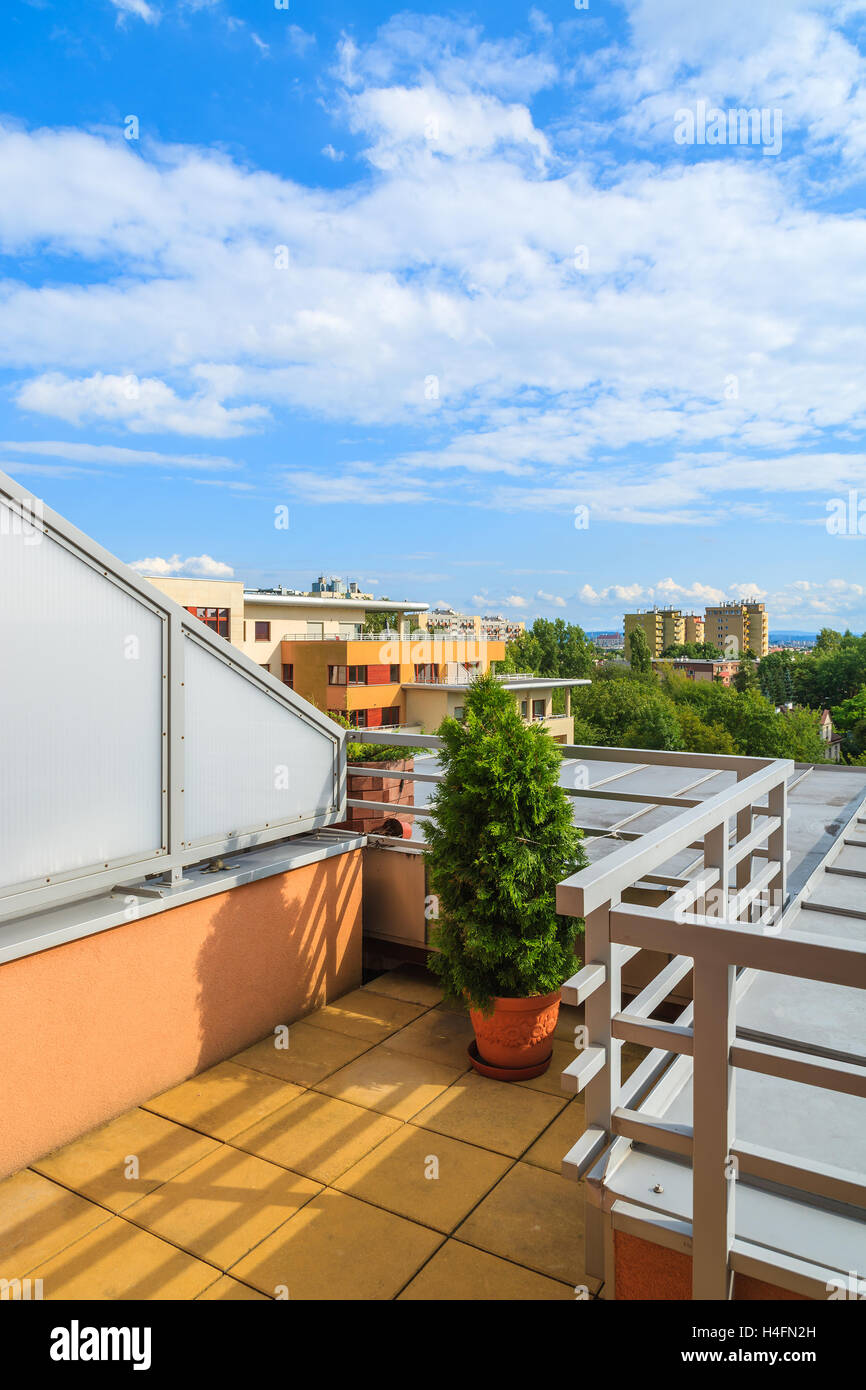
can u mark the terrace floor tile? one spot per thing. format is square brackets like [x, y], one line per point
[118, 1261]
[365, 1014]
[125, 1159]
[311, 1055]
[437, 1036]
[535, 1218]
[412, 983]
[425, 1177]
[223, 1205]
[317, 1136]
[492, 1114]
[339, 1248]
[461, 1273]
[224, 1100]
[553, 1144]
[393, 1083]
[39, 1219]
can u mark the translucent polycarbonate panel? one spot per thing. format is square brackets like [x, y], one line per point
[80, 713]
[251, 762]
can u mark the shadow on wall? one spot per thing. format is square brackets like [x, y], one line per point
[276, 950]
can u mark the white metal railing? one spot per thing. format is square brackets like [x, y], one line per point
[741, 933]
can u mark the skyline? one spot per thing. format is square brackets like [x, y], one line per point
[451, 290]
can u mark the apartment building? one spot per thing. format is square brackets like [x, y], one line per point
[736, 627]
[258, 621]
[447, 622]
[662, 627]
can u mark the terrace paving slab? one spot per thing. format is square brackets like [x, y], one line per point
[535, 1218]
[39, 1219]
[364, 1014]
[437, 1036]
[491, 1114]
[317, 1136]
[97, 1164]
[412, 983]
[118, 1261]
[223, 1205]
[311, 1055]
[393, 1083]
[459, 1272]
[339, 1248]
[553, 1144]
[225, 1100]
[430, 1179]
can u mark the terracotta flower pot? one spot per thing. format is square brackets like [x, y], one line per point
[518, 1034]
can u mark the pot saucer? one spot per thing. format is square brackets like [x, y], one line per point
[505, 1073]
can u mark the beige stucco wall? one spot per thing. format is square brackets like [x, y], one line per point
[207, 593]
[98, 1025]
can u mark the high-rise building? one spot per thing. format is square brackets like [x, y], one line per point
[738, 627]
[662, 627]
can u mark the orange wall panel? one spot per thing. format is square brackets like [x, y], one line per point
[98, 1025]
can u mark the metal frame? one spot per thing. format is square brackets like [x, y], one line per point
[174, 851]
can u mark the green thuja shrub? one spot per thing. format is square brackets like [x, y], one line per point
[500, 838]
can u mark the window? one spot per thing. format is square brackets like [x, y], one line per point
[538, 709]
[395, 674]
[263, 632]
[336, 675]
[289, 676]
[217, 619]
[357, 718]
[427, 672]
[357, 675]
[458, 711]
[524, 708]
[391, 716]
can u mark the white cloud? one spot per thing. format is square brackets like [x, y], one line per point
[198, 566]
[146, 406]
[336, 155]
[112, 454]
[140, 9]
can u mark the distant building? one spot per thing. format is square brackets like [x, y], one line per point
[737, 627]
[332, 586]
[662, 627]
[832, 740]
[608, 641]
[491, 627]
[701, 670]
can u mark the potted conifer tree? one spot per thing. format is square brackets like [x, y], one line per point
[501, 836]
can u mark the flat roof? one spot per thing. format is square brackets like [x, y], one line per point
[540, 684]
[379, 605]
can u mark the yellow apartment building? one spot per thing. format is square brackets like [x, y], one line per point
[736, 627]
[662, 627]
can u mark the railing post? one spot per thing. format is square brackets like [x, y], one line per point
[777, 845]
[601, 1096]
[716, 854]
[713, 1179]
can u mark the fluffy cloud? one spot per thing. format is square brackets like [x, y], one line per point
[140, 9]
[198, 566]
[146, 406]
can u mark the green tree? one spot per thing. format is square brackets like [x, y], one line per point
[639, 655]
[695, 651]
[501, 837]
[850, 720]
[746, 677]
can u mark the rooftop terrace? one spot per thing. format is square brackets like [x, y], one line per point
[365, 1160]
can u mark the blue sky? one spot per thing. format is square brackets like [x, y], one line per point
[435, 278]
